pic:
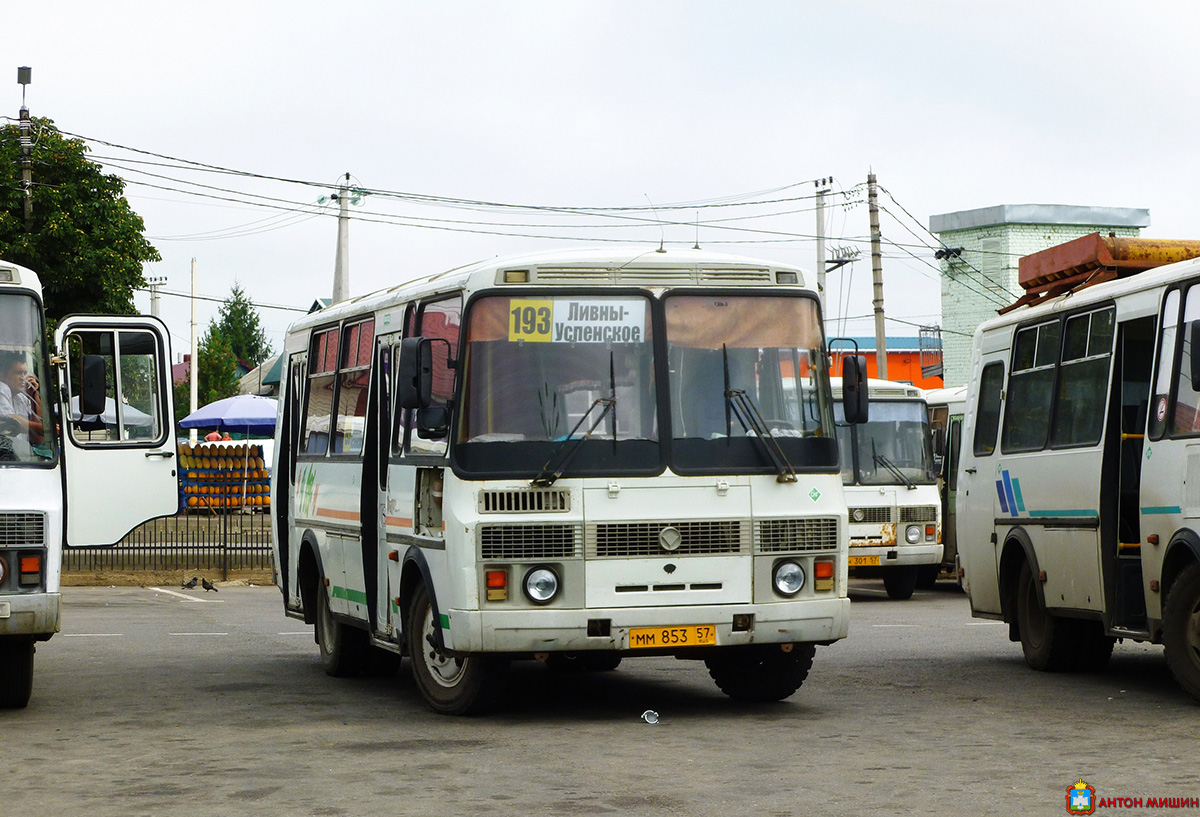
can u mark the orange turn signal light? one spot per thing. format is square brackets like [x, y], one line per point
[31, 564]
[823, 570]
[496, 582]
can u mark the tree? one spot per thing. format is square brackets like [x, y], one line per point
[239, 325]
[216, 375]
[85, 241]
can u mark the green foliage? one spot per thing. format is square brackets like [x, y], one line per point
[238, 323]
[217, 376]
[85, 241]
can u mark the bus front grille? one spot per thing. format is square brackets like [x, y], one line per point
[871, 516]
[918, 513]
[696, 538]
[525, 500]
[526, 542]
[791, 535]
[22, 529]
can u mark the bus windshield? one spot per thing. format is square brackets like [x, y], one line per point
[555, 377]
[26, 433]
[736, 355]
[893, 448]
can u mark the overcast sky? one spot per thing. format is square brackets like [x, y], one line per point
[604, 104]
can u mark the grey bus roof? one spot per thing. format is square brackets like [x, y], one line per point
[1040, 214]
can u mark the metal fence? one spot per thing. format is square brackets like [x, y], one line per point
[205, 540]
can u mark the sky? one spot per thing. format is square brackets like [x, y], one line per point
[475, 127]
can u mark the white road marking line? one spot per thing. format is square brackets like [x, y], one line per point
[185, 596]
[299, 632]
[197, 634]
[93, 635]
[895, 625]
[983, 623]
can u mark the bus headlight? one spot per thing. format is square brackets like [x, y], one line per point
[789, 578]
[541, 585]
[912, 534]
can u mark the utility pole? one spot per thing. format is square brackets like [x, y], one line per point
[822, 189]
[153, 284]
[341, 264]
[24, 76]
[877, 277]
[195, 387]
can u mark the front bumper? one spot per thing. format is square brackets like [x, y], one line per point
[35, 614]
[550, 630]
[898, 555]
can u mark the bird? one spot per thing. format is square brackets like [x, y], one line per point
[207, 585]
[191, 584]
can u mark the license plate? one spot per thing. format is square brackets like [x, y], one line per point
[693, 635]
[864, 561]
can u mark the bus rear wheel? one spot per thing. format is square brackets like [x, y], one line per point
[761, 673]
[450, 684]
[1045, 638]
[343, 648]
[1181, 630]
[16, 672]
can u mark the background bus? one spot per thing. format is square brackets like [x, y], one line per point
[946, 408]
[1078, 484]
[575, 457]
[891, 489]
[76, 473]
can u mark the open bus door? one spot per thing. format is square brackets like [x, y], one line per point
[118, 425]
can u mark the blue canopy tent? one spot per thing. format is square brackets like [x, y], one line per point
[244, 413]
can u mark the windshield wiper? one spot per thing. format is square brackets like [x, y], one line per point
[544, 479]
[880, 459]
[741, 405]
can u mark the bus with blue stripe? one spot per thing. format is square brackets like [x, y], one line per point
[1078, 496]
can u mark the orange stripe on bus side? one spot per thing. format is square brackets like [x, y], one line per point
[334, 514]
[398, 521]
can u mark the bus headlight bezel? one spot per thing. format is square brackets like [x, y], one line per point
[788, 577]
[541, 585]
[913, 534]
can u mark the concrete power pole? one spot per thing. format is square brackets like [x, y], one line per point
[877, 277]
[822, 189]
[153, 285]
[341, 264]
[192, 438]
[24, 76]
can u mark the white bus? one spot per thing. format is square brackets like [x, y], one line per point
[946, 409]
[574, 457]
[1079, 482]
[891, 489]
[82, 472]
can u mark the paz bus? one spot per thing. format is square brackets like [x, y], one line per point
[575, 457]
[1079, 478]
[891, 489]
[110, 435]
[946, 408]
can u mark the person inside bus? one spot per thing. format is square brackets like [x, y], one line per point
[20, 398]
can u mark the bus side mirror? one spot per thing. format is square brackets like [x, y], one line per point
[414, 381]
[92, 386]
[854, 388]
[939, 442]
[1194, 338]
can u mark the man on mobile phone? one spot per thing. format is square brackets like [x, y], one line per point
[20, 398]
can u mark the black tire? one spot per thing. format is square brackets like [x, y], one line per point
[761, 673]
[900, 582]
[1046, 639]
[343, 648]
[1181, 630]
[450, 684]
[16, 672]
[590, 661]
[1093, 647]
[927, 576]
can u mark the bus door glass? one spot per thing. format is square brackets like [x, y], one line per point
[26, 430]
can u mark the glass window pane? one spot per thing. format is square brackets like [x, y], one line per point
[1026, 350]
[1166, 367]
[1185, 419]
[1100, 340]
[26, 434]
[316, 414]
[1076, 343]
[1079, 410]
[1027, 417]
[1047, 344]
[987, 413]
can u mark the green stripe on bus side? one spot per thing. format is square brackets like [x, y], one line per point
[1162, 509]
[1070, 512]
[356, 596]
[444, 620]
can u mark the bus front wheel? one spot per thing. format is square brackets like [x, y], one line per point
[900, 582]
[343, 648]
[1181, 630]
[450, 684]
[761, 673]
[16, 672]
[1045, 638]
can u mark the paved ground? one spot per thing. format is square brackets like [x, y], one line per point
[165, 703]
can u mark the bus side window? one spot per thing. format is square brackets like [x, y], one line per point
[439, 319]
[1031, 388]
[322, 377]
[355, 374]
[1166, 356]
[987, 412]
[1187, 401]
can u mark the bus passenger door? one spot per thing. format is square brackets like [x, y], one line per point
[976, 499]
[118, 425]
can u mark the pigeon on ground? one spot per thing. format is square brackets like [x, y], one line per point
[207, 585]
[191, 584]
